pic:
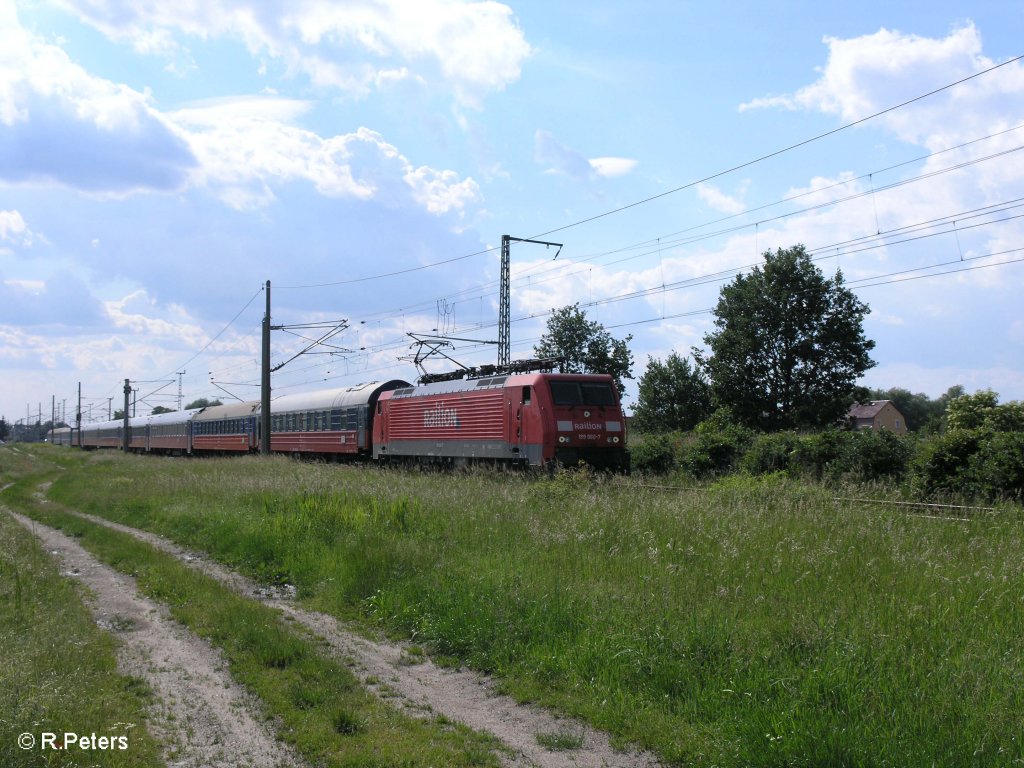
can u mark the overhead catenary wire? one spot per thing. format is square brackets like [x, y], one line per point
[680, 188]
[658, 244]
[825, 252]
[898, 277]
[688, 185]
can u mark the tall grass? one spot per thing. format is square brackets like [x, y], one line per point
[58, 671]
[758, 622]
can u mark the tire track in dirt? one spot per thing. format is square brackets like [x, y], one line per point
[419, 685]
[202, 717]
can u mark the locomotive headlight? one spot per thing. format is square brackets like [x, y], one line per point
[615, 439]
[563, 439]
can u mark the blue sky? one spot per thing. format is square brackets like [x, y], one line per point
[160, 161]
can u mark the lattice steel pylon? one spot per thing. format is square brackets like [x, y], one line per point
[504, 302]
[504, 341]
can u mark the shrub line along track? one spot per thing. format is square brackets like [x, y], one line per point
[204, 718]
[422, 686]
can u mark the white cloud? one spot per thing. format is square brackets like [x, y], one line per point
[610, 167]
[13, 228]
[60, 124]
[138, 313]
[720, 201]
[864, 75]
[471, 48]
[566, 161]
[441, 191]
[244, 149]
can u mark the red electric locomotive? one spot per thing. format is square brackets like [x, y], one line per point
[534, 419]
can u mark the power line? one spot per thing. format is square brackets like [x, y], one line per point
[470, 294]
[673, 191]
[778, 152]
[219, 333]
[868, 242]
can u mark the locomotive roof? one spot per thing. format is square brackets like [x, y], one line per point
[490, 382]
[339, 397]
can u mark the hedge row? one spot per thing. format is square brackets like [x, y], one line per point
[980, 463]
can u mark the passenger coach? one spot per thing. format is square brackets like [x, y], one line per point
[332, 422]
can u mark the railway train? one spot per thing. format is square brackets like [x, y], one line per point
[529, 419]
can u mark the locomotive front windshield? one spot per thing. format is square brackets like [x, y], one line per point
[582, 393]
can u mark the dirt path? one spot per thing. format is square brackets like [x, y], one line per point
[420, 686]
[203, 718]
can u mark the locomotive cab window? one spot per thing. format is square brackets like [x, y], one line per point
[588, 393]
[597, 394]
[566, 393]
[527, 391]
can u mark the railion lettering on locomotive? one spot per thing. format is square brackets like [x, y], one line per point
[440, 416]
[588, 425]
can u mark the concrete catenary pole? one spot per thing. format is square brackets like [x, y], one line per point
[265, 383]
[125, 434]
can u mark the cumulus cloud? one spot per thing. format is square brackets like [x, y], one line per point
[867, 74]
[720, 201]
[610, 167]
[13, 229]
[60, 124]
[60, 300]
[470, 48]
[139, 313]
[244, 149]
[566, 161]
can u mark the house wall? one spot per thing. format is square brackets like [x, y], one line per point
[891, 419]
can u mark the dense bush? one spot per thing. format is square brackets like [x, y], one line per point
[834, 454]
[982, 462]
[770, 453]
[973, 462]
[654, 454]
[998, 467]
[716, 447]
[880, 455]
[824, 454]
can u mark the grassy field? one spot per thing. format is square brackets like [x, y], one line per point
[751, 623]
[316, 703]
[58, 671]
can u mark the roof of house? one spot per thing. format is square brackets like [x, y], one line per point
[867, 410]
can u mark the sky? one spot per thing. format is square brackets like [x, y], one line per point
[160, 162]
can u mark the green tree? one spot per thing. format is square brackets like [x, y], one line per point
[673, 395]
[161, 409]
[5, 429]
[970, 411]
[202, 402]
[789, 344]
[982, 410]
[585, 346]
